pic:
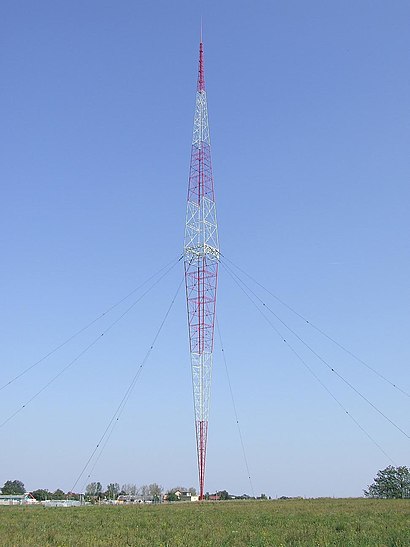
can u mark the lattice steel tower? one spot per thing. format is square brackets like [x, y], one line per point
[201, 257]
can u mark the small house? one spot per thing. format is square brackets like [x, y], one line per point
[17, 499]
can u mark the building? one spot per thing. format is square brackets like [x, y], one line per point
[186, 496]
[133, 498]
[17, 499]
[61, 503]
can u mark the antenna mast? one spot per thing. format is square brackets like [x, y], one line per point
[201, 258]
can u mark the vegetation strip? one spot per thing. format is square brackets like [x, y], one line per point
[319, 522]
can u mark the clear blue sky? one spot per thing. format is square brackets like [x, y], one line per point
[309, 109]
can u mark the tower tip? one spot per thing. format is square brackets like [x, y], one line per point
[201, 73]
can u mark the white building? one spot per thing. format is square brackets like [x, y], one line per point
[17, 499]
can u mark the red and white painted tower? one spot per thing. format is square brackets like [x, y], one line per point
[201, 257]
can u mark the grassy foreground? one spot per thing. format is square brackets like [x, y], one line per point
[323, 522]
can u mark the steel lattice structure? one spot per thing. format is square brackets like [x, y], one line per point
[201, 257]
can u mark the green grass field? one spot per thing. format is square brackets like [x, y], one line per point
[323, 522]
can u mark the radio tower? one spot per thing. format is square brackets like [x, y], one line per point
[201, 257]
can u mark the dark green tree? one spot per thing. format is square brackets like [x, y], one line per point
[41, 494]
[223, 494]
[58, 495]
[13, 487]
[171, 496]
[99, 490]
[392, 482]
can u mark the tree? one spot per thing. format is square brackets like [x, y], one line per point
[59, 495]
[392, 482]
[41, 494]
[130, 489]
[155, 490]
[94, 489]
[13, 487]
[113, 489]
[90, 489]
[171, 496]
[223, 494]
[144, 489]
[73, 496]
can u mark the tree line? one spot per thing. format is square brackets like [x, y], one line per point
[94, 490]
[113, 490]
[391, 482]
